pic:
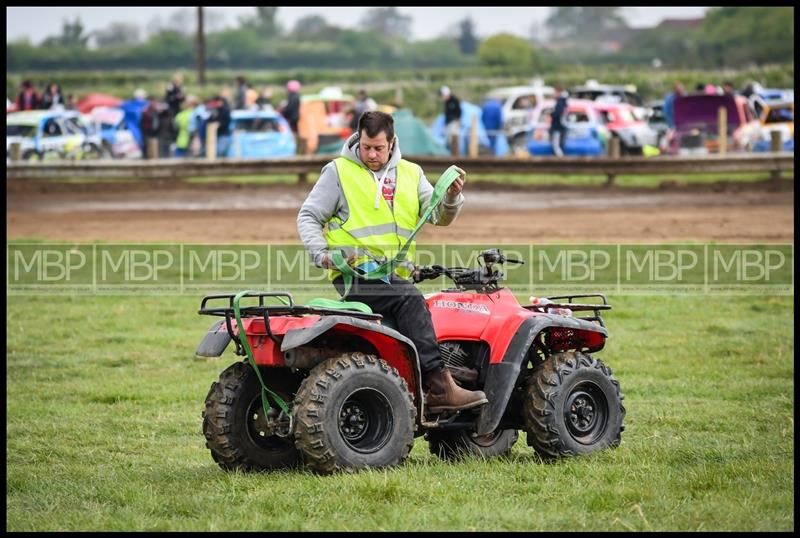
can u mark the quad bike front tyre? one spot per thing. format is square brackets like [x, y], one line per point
[234, 424]
[454, 444]
[353, 411]
[573, 406]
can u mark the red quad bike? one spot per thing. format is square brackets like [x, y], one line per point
[344, 387]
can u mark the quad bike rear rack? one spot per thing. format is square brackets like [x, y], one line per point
[288, 308]
[575, 307]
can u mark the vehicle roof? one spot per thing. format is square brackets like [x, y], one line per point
[603, 105]
[511, 90]
[605, 87]
[588, 103]
[33, 117]
[246, 114]
[779, 104]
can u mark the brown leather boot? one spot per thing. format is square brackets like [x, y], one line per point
[444, 395]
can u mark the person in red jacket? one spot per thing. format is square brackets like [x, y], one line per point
[28, 98]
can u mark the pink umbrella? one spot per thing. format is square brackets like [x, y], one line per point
[94, 100]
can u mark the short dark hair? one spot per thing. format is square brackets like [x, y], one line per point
[375, 121]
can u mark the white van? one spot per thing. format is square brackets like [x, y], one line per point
[518, 103]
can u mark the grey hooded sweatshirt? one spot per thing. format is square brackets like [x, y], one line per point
[327, 200]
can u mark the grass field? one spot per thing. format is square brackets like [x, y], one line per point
[103, 432]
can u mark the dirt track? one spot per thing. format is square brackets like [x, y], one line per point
[237, 213]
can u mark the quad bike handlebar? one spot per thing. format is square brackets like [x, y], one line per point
[484, 278]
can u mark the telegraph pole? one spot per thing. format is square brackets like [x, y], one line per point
[201, 49]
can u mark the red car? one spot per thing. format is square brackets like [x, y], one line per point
[622, 121]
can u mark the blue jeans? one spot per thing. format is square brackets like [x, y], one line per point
[223, 144]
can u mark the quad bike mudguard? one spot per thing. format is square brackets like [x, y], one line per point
[215, 341]
[392, 346]
[501, 377]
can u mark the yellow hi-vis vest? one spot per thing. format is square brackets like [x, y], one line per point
[375, 233]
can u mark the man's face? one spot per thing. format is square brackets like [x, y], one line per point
[374, 151]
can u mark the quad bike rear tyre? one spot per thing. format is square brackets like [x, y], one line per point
[233, 421]
[353, 412]
[451, 445]
[573, 406]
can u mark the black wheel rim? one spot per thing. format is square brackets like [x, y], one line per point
[486, 440]
[257, 428]
[586, 412]
[366, 421]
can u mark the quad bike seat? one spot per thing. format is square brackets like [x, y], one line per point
[350, 305]
[340, 305]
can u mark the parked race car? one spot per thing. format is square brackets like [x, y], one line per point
[697, 124]
[777, 116]
[622, 122]
[110, 123]
[260, 134]
[52, 135]
[587, 134]
[657, 121]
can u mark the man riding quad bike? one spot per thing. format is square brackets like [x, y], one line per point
[334, 386]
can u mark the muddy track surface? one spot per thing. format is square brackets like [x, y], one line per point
[168, 211]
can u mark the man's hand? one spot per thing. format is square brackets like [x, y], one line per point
[327, 262]
[458, 184]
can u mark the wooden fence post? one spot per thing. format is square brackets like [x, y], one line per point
[776, 145]
[152, 147]
[473, 137]
[455, 142]
[16, 151]
[776, 141]
[211, 140]
[722, 137]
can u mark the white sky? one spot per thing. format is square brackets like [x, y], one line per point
[36, 23]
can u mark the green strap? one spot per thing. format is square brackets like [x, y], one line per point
[246, 345]
[387, 268]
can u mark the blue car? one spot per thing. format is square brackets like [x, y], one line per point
[260, 134]
[586, 133]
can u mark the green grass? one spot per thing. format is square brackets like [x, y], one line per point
[103, 432]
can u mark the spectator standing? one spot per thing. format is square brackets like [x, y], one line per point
[265, 99]
[28, 98]
[727, 88]
[52, 97]
[291, 111]
[452, 115]
[558, 129]
[222, 115]
[69, 103]
[669, 104]
[241, 93]
[174, 94]
[150, 126]
[492, 119]
[183, 122]
[362, 104]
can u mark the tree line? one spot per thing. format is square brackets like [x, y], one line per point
[727, 37]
